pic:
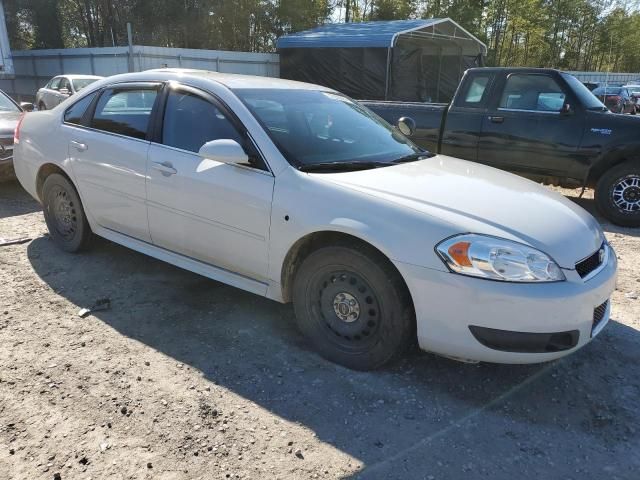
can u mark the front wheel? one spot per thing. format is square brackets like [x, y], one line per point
[64, 215]
[617, 194]
[41, 106]
[353, 307]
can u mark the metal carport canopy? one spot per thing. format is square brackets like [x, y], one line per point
[381, 34]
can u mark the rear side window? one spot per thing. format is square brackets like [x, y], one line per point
[191, 121]
[125, 111]
[532, 92]
[75, 113]
[475, 92]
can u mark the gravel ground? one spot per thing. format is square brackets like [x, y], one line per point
[186, 378]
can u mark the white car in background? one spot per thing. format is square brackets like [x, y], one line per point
[59, 88]
[297, 193]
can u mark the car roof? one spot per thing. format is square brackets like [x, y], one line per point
[80, 76]
[230, 80]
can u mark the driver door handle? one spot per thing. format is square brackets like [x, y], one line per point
[164, 167]
[496, 119]
[81, 147]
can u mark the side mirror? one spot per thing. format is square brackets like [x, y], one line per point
[64, 91]
[225, 151]
[27, 106]
[407, 126]
[566, 109]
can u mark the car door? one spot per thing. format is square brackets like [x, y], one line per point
[524, 130]
[51, 92]
[108, 154]
[214, 212]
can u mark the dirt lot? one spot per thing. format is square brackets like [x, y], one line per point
[186, 378]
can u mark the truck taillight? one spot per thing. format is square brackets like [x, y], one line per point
[16, 132]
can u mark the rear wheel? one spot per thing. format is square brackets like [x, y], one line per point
[353, 307]
[617, 194]
[64, 214]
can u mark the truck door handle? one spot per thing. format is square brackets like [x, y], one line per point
[165, 168]
[81, 147]
[496, 119]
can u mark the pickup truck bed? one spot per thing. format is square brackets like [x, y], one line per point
[542, 124]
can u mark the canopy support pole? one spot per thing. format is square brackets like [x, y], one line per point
[387, 74]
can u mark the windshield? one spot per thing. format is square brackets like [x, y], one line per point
[607, 91]
[80, 83]
[588, 99]
[313, 127]
[6, 104]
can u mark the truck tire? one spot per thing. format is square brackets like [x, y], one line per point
[617, 194]
[353, 307]
[64, 215]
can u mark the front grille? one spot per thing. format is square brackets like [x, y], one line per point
[598, 314]
[589, 264]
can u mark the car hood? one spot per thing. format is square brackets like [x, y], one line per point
[8, 122]
[471, 197]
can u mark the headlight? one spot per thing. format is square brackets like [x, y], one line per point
[497, 259]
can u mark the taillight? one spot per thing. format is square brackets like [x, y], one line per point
[16, 132]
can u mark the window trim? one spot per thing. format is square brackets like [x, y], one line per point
[218, 103]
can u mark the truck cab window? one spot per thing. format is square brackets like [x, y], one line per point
[532, 92]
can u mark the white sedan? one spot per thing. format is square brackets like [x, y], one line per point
[59, 88]
[295, 192]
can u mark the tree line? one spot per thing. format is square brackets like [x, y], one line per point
[590, 35]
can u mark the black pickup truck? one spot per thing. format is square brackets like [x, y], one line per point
[542, 124]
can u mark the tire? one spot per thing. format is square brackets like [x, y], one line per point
[41, 106]
[617, 194]
[363, 335]
[64, 215]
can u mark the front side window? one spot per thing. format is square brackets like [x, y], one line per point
[64, 83]
[314, 127]
[190, 121]
[75, 112]
[533, 93]
[125, 111]
[54, 83]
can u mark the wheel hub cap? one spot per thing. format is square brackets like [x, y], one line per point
[626, 194]
[347, 307]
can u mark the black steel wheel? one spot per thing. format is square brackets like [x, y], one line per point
[64, 214]
[617, 194]
[353, 307]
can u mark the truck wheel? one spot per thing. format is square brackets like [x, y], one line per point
[617, 194]
[353, 307]
[64, 214]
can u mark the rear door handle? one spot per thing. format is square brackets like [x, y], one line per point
[81, 147]
[164, 167]
[496, 119]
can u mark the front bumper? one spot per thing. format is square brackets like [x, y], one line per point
[449, 305]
